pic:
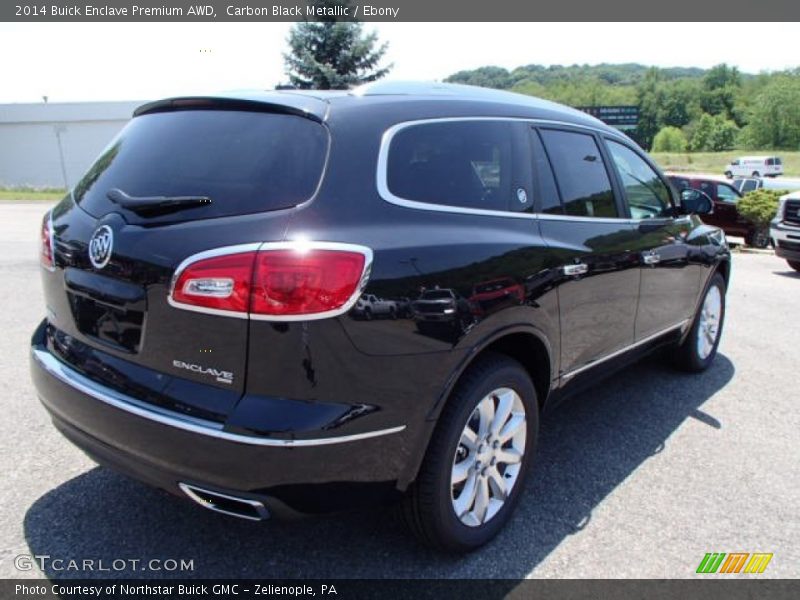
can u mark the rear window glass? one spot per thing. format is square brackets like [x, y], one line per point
[466, 164]
[245, 162]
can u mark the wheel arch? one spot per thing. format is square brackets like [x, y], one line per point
[523, 343]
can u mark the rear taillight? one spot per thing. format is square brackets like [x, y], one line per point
[217, 283]
[280, 281]
[46, 243]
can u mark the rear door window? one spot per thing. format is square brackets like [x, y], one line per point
[467, 164]
[580, 173]
[246, 162]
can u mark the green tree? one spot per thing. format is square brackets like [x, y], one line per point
[490, 77]
[650, 96]
[712, 134]
[333, 55]
[774, 119]
[721, 86]
[669, 139]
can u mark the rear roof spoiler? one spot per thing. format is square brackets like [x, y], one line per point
[289, 104]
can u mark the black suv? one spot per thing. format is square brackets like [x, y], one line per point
[200, 282]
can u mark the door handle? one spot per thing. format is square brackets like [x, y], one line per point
[575, 270]
[651, 258]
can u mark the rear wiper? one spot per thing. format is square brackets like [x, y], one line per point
[155, 203]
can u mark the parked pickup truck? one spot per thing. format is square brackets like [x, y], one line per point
[785, 230]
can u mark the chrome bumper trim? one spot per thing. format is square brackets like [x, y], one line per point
[104, 394]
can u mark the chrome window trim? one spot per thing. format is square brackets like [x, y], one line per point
[297, 244]
[115, 399]
[381, 175]
[621, 351]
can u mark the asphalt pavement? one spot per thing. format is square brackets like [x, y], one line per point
[637, 478]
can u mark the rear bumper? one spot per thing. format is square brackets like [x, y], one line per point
[786, 239]
[165, 449]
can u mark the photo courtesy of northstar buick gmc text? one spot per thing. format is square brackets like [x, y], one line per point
[298, 302]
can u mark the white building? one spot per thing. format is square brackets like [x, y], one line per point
[52, 144]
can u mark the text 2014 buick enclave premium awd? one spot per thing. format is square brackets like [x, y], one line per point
[200, 279]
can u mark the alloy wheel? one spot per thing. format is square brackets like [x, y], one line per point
[488, 457]
[708, 328]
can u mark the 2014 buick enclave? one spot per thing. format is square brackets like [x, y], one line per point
[200, 280]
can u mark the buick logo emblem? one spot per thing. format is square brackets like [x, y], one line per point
[100, 246]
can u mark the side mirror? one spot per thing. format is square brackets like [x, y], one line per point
[696, 202]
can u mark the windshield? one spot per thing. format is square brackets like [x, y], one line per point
[245, 162]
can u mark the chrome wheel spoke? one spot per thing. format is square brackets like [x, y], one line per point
[505, 404]
[498, 484]
[512, 427]
[486, 415]
[509, 456]
[466, 498]
[469, 439]
[482, 499]
[461, 471]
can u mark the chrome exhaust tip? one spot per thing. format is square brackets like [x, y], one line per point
[244, 508]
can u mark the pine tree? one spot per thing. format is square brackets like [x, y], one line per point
[333, 55]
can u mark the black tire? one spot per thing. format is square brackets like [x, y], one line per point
[795, 264]
[757, 239]
[427, 508]
[728, 175]
[368, 314]
[756, 174]
[393, 314]
[687, 356]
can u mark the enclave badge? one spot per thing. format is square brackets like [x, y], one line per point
[100, 246]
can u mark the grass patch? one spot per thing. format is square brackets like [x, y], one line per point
[716, 162]
[31, 193]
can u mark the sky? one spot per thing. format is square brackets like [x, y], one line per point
[135, 61]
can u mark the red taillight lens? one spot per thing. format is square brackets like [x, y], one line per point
[295, 282]
[46, 243]
[277, 282]
[219, 283]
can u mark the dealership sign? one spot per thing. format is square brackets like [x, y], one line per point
[622, 117]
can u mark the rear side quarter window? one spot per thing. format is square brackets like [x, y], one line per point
[463, 164]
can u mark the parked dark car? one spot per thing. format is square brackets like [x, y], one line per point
[726, 213]
[489, 296]
[198, 280]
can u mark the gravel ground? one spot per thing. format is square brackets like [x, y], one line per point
[637, 479]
